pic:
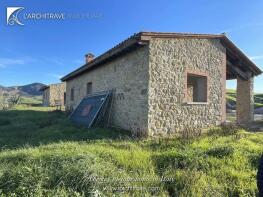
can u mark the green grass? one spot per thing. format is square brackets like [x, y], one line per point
[31, 100]
[231, 98]
[44, 154]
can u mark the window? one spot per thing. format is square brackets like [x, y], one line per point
[72, 94]
[196, 88]
[65, 98]
[89, 88]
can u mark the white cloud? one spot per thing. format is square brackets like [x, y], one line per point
[5, 62]
[258, 57]
[56, 61]
[54, 75]
[52, 60]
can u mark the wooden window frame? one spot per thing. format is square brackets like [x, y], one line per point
[65, 98]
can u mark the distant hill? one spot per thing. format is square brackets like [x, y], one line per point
[231, 99]
[25, 90]
[31, 89]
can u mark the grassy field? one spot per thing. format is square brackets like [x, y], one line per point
[44, 154]
[33, 100]
[231, 98]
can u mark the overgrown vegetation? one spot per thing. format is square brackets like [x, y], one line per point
[44, 154]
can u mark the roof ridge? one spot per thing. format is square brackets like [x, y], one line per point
[138, 38]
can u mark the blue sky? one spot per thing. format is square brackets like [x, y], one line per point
[45, 50]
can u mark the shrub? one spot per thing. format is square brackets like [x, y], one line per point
[229, 129]
[223, 130]
[190, 133]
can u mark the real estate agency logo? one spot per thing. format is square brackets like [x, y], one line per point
[17, 16]
[12, 15]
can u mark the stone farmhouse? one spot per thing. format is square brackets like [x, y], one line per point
[54, 94]
[167, 82]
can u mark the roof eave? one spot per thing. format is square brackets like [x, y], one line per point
[115, 51]
[143, 38]
[249, 63]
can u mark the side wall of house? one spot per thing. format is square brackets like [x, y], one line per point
[57, 93]
[45, 97]
[170, 61]
[127, 74]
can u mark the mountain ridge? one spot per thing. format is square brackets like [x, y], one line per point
[32, 89]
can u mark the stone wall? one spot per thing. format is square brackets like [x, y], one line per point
[169, 62]
[45, 97]
[151, 86]
[54, 93]
[127, 74]
[245, 101]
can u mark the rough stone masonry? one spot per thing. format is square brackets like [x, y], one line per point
[170, 62]
[53, 94]
[165, 83]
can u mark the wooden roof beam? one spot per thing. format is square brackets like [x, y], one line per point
[237, 60]
[234, 69]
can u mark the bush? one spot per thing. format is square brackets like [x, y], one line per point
[229, 129]
[224, 130]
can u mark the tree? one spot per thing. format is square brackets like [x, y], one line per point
[8, 100]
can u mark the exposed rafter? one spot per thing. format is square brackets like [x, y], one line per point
[237, 71]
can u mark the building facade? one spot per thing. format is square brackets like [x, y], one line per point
[165, 83]
[54, 94]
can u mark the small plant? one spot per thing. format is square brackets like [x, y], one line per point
[139, 134]
[224, 130]
[189, 133]
[229, 129]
